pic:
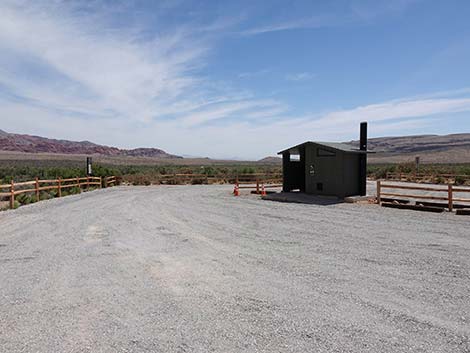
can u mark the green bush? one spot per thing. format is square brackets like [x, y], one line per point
[460, 180]
[44, 195]
[25, 199]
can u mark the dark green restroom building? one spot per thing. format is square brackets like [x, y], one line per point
[326, 168]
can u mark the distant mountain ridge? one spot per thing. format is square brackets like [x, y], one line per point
[270, 160]
[417, 143]
[454, 148]
[38, 144]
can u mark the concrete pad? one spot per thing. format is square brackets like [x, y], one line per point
[299, 197]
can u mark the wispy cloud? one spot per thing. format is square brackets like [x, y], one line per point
[238, 110]
[86, 68]
[359, 11]
[253, 74]
[64, 70]
[397, 109]
[55, 58]
[319, 21]
[300, 76]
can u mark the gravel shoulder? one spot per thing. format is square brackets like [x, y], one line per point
[194, 269]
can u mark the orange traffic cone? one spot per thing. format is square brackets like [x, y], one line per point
[263, 190]
[236, 190]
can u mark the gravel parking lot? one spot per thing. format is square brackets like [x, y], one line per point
[194, 269]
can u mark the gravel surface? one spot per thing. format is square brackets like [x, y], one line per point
[194, 269]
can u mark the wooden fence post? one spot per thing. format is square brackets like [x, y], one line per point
[450, 198]
[378, 192]
[59, 188]
[12, 195]
[87, 183]
[101, 182]
[257, 185]
[78, 184]
[36, 187]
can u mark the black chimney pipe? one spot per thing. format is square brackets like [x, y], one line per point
[363, 137]
[363, 160]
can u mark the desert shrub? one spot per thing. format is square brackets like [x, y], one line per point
[44, 195]
[208, 170]
[460, 180]
[198, 181]
[405, 167]
[25, 199]
[74, 190]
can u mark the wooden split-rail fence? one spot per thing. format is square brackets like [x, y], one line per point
[256, 182]
[36, 186]
[178, 179]
[428, 178]
[446, 195]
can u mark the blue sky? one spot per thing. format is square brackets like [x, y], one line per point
[233, 79]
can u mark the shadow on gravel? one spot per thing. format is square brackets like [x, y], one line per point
[299, 197]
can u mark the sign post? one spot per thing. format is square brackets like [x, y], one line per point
[88, 166]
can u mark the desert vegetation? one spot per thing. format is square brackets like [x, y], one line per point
[22, 170]
[436, 173]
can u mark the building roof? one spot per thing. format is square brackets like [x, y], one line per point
[333, 145]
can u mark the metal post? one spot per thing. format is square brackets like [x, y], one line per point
[89, 170]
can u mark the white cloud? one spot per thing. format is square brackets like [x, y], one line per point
[83, 67]
[397, 109]
[252, 74]
[359, 11]
[300, 76]
[249, 108]
[73, 76]
[95, 70]
[318, 21]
